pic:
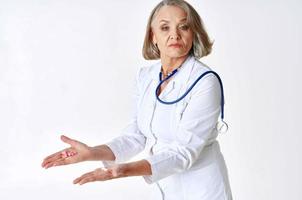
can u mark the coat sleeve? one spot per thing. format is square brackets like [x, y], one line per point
[195, 130]
[131, 141]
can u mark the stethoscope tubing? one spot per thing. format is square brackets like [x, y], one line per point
[191, 87]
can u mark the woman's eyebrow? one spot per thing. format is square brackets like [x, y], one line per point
[163, 20]
[167, 21]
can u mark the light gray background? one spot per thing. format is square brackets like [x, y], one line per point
[68, 66]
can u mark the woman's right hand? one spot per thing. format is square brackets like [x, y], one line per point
[77, 152]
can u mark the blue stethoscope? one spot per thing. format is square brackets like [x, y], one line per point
[221, 126]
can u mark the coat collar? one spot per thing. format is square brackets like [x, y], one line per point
[180, 78]
[183, 71]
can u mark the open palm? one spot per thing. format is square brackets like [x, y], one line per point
[77, 152]
[100, 174]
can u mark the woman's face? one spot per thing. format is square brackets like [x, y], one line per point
[171, 32]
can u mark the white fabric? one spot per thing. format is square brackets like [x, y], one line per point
[185, 156]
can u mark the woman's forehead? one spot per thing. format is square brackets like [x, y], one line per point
[168, 13]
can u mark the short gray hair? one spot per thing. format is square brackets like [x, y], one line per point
[202, 45]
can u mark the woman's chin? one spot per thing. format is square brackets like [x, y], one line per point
[176, 54]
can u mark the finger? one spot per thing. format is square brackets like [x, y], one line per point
[49, 165]
[52, 158]
[77, 180]
[63, 161]
[52, 155]
[86, 180]
[55, 163]
[59, 162]
[61, 154]
[67, 157]
[68, 140]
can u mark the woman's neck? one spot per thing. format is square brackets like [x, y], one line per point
[169, 64]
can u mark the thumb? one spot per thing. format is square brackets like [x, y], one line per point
[68, 140]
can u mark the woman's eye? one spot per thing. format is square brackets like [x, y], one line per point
[184, 27]
[164, 28]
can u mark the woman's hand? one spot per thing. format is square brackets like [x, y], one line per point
[100, 174]
[77, 152]
[137, 168]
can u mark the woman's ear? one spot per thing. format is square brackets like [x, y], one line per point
[154, 41]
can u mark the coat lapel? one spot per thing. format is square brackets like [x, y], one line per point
[178, 82]
[174, 89]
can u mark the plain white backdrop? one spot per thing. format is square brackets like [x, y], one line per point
[68, 66]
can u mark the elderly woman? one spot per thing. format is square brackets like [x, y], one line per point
[184, 161]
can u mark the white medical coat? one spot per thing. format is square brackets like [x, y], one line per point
[184, 154]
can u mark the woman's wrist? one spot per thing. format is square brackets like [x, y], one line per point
[137, 168]
[101, 152]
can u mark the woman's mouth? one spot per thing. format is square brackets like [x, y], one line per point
[175, 45]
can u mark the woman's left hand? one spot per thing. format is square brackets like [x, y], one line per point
[100, 174]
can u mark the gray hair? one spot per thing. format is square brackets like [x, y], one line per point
[202, 46]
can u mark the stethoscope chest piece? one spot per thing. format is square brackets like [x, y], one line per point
[222, 126]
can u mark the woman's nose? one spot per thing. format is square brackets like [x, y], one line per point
[174, 34]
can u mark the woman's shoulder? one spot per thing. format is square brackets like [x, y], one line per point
[201, 67]
[150, 71]
[207, 81]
